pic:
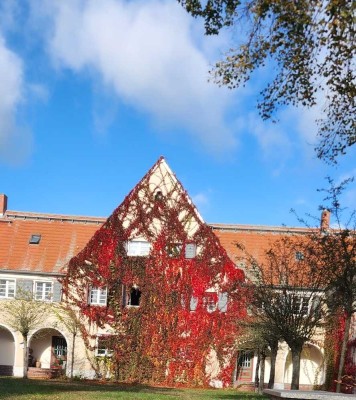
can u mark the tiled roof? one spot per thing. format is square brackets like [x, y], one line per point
[62, 237]
[255, 238]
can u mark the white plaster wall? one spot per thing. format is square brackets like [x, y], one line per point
[7, 347]
[41, 347]
[311, 367]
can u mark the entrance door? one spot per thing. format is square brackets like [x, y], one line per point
[244, 367]
[59, 352]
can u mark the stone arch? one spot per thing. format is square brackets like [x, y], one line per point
[7, 351]
[49, 348]
[311, 367]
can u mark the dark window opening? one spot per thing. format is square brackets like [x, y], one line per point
[135, 296]
[299, 256]
[174, 250]
[158, 196]
[35, 239]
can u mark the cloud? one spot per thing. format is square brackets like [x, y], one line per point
[15, 140]
[200, 199]
[144, 51]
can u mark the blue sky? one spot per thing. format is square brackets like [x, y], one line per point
[93, 92]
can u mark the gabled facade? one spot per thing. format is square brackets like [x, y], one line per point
[157, 279]
[152, 291]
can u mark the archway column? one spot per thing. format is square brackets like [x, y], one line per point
[280, 366]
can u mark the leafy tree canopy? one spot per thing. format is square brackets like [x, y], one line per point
[312, 45]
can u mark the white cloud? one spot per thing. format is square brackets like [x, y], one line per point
[200, 200]
[144, 51]
[15, 141]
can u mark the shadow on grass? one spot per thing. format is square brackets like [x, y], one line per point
[11, 388]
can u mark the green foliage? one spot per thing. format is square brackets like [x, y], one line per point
[312, 46]
[24, 314]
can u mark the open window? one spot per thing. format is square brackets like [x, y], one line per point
[174, 250]
[134, 297]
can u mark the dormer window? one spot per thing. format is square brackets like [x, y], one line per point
[35, 239]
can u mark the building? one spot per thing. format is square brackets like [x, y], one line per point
[100, 267]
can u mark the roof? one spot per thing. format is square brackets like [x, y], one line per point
[62, 237]
[255, 238]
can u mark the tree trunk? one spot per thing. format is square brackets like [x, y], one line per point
[262, 374]
[274, 351]
[296, 353]
[72, 356]
[343, 352]
[257, 370]
[25, 356]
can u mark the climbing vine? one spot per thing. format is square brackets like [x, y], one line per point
[189, 305]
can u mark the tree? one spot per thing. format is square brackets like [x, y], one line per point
[262, 339]
[311, 44]
[287, 289]
[336, 247]
[72, 321]
[24, 314]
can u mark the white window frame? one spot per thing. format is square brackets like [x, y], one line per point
[43, 294]
[98, 296]
[245, 359]
[138, 248]
[303, 303]
[8, 283]
[102, 351]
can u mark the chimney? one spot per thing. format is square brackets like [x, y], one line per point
[3, 204]
[325, 220]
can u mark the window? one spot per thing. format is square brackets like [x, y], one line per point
[299, 256]
[134, 298]
[245, 358]
[7, 288]
[43, 291]
[98, 296]
[210, 301]
[190, 250]
[300, 305]
[35, 239]
[104, 348]
[138, 248]
[174, 250]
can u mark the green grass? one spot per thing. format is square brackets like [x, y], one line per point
[17, 388]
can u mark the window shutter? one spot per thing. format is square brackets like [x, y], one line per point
[124, 296]
[193, 303]
[190, 250]
[24, 288]
[57, 291]
[222, 302]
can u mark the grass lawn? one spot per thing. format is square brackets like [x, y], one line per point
[17, 388]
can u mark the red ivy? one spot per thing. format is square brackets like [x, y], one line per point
[163, 340]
